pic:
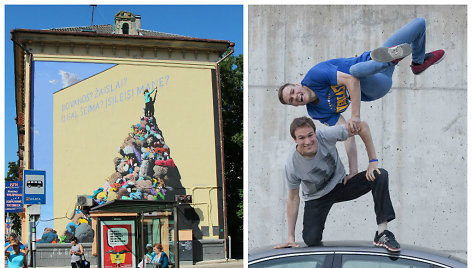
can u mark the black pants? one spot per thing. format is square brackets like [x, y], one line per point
[317, 210]
[149, 109]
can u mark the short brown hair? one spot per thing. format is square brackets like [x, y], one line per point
[158, 246]
[301, 122]
[281, 89]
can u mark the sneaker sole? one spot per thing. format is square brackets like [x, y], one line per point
[388, 54]
[382, 245]
[433, 64]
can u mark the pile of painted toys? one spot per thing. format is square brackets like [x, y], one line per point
[141, 171]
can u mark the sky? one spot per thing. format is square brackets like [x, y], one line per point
[223, 22]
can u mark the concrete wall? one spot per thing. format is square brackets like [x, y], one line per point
[51, 255]
[419, 128]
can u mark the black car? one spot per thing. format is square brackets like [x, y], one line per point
[352, 254]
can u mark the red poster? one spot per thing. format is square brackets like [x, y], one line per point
[118, 244]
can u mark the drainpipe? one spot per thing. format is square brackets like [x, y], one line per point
[27, 127]
[222, 148]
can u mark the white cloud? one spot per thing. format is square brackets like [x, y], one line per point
[68, 78]
[53, 81]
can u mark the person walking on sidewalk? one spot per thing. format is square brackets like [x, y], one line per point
[331, 86]
[313, 162]
[16, 258]
[76, 252]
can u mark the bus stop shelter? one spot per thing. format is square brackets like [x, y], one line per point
[123, 228]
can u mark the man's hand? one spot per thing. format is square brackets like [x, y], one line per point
[373, 166]
[348, 177]
[354, 124]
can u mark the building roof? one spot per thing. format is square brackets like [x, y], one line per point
[108, 29]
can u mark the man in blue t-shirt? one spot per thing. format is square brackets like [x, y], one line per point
[330, 86]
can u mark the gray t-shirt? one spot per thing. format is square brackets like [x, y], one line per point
[320, 174]
[75, 257]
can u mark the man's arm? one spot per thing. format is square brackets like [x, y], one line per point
[366, 137]
[293, 202]
[351, 150]
[353, 85]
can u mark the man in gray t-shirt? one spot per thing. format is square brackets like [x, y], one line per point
[314, 164]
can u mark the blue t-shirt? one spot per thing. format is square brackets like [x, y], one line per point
[15, 261]
[147, 96]
[333, 99]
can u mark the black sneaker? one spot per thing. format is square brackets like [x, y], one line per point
[387, 240]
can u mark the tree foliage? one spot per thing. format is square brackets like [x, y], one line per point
[231, 82]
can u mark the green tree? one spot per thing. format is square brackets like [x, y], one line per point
[231, 81]
[12, 175]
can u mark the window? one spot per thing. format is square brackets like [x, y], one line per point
[377, 261]
[125, 28]
[306, 261]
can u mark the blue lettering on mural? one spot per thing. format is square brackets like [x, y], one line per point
[106, 96]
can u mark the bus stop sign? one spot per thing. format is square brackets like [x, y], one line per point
[34, 185]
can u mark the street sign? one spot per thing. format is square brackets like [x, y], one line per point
[34, 187]
[13, 196]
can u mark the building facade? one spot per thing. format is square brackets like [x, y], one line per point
[94, 135]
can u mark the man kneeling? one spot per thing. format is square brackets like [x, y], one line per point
[314, 163]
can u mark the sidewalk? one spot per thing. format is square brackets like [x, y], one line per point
[203, 264]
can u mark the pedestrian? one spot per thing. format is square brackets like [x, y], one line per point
[331, 86]
[313, 162]
[15, 257]
[148, 256]
[161, 257]
[76, 252]
[13, 237]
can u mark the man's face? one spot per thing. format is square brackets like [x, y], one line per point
[305, 138]
[295, 95]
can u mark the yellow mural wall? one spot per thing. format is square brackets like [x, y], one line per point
[94, 116]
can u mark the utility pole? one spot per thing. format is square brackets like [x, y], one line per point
[93, 8]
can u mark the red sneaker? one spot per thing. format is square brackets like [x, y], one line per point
[430, 58]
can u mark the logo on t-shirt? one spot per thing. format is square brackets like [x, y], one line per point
[337, 99]
[324, 173]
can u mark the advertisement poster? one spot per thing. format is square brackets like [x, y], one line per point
[118, 244]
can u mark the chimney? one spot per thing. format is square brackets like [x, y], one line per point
[138, 21]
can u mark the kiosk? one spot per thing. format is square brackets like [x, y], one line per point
[123, 228]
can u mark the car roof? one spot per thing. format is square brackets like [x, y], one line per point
[358, 246]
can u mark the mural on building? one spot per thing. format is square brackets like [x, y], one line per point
[141, 171]
[96, 137]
